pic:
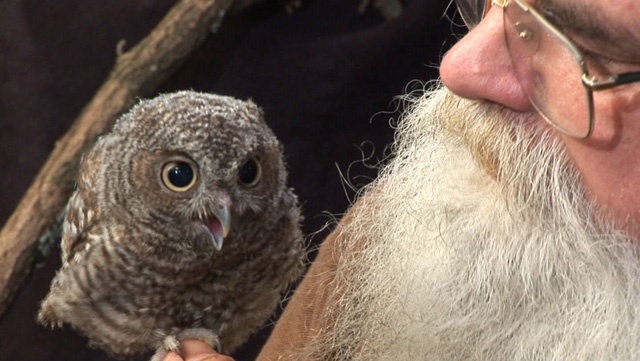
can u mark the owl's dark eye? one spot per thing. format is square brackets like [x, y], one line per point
[250, 172]
[178, 176]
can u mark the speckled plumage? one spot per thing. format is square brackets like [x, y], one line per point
[140, 261]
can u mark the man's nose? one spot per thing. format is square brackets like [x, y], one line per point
[479, 66]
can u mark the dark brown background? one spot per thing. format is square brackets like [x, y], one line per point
[326, 77]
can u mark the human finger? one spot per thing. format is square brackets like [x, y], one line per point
[196, 350]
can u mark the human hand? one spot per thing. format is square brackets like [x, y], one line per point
[194, 350]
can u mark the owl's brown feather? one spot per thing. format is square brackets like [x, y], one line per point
[140, 254]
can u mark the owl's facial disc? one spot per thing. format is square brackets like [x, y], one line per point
[217, 225]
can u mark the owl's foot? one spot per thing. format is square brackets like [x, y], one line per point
[172, 342]
[205, 335]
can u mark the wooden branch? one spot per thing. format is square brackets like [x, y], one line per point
[137, 73]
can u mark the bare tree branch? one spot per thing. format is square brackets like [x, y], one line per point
[136, 73]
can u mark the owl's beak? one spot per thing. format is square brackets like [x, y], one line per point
[224, 216]
[218, 225]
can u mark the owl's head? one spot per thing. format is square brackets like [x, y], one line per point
[191, 169]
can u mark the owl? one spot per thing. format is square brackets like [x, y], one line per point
[181, 226]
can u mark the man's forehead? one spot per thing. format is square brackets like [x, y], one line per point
[611, 25]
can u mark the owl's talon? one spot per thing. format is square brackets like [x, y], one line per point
[217, 346]
[171, 343]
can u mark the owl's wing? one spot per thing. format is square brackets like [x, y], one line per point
[80, 227]
[81, 223]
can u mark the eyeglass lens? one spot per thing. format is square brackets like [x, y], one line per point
[548, 71]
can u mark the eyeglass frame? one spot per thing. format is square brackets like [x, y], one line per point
[591, 83]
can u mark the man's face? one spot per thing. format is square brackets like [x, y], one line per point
[480, 67]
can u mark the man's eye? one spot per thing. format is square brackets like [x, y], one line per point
[603, 65]
[592, 56]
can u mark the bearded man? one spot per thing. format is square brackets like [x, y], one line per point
[506, 225]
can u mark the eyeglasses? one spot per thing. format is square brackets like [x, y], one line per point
[551, 69]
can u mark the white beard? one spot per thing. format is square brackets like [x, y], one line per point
[456, 264]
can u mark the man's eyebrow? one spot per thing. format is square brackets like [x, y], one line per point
[583, 20]
[588, 24]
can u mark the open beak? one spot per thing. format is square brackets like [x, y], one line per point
[217, 224]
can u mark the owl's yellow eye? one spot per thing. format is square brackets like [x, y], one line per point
[178, 176]
[250, 172]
